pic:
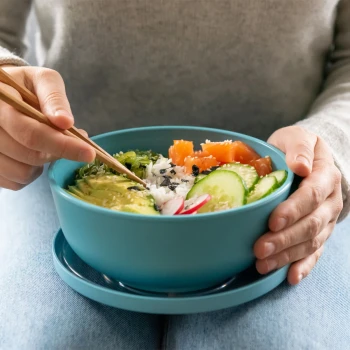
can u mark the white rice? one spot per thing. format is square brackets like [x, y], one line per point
[162, 172]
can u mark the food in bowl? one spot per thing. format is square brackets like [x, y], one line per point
[165, 253]
[221, 176]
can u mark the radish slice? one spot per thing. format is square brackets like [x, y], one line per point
[173, 206]
[192, 205]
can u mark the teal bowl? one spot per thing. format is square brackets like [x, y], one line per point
[165, 253]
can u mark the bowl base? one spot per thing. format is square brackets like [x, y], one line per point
[246, 286]
[219, 288]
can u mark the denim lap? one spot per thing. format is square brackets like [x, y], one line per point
[39, 311]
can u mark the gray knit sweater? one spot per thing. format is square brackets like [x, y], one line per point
[252, 66]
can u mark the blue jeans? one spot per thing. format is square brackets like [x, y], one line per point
[38, 311]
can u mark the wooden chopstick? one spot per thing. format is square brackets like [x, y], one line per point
[102, 155]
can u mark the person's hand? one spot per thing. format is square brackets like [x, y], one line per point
[300, 226]
[25, 144]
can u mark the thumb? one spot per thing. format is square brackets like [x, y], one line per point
[49, 88]
[298, 145]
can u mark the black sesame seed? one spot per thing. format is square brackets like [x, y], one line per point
[167, 177]
[135, 188]
[195, 170]
[156, 207]
[172, 171]
[172, 188]
[175, 183]
[166, 182]
[206, 172]
[162, 171]
[128, 165]
[184, 180]
[172, 165]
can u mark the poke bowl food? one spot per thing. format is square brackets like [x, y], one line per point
[222, 175]
[193, 227]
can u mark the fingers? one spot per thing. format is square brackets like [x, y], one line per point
[50, 90]
[303, 267]
[305, 230]
[40, 137]
[25, 144]
[10, 185]
[299, 145]
[18, 172]
[13, 149]
[312, 192]
[293, 253]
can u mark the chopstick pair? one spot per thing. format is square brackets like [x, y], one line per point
[32, 110]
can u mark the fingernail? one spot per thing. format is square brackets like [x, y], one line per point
[63, 113]
[271, 264]
[269, 249]
[280, 224]
[84, 156]
[303, 160]
[300, 277]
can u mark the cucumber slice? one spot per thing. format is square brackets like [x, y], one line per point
[245, 171]
[263, 188]
[199, 177]
[280, 175]
[226, 189]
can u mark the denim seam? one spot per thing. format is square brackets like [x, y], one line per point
[164, 342]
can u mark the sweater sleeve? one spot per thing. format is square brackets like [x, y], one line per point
[13, 17]
[329, 116]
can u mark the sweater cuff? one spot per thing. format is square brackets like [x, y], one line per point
[336, 140]
[6, 57]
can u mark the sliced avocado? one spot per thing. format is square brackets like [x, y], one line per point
[115, 192]
[88, 198]
[140, 209]
[83, 186]
[76, 191]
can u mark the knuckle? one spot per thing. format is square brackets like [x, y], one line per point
[62, 150]
[292, 211]
[337, 176]
[314, 226]
[338, 207]
[316, 194]
[286, 257]
[283, 242]
[315, 244]
[35, 158]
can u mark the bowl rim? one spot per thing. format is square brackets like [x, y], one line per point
[105, 211]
